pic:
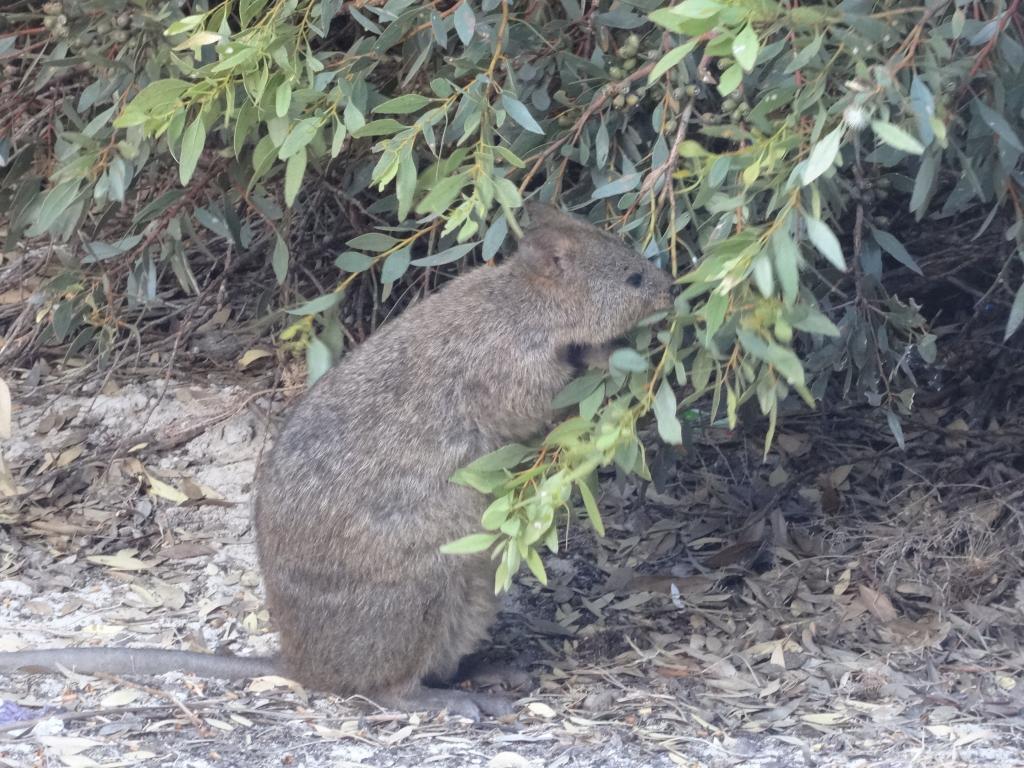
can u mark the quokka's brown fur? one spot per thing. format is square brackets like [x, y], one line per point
[354, 501]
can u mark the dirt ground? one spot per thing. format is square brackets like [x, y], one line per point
[844, 604]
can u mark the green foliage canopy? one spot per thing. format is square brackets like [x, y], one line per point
[759, 150]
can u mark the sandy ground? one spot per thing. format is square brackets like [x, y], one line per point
[96, 551]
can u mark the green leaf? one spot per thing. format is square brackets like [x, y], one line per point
[352, 117]
[502, 577]
[384, 127]
[247, 10]
[701, 370]
[496, 515]
[185, 24]
[922, 103]
[745, 47]
[63, 316]
[317, 305]
[601, 145]
[518, 112]
[923, 184]
[340, 132]
[590, 404]
[192, 143]
[157, 206]
[822, 156]
[536, 566]
[714, 314]
[385, 170]
[242, 55]
[443, 193]
[896, 137]
[671, 59]
[244, 123]
[395, 266]
[783, 360]
[510, 157]
[812, 321]
[926, 346]
[896, 428]
[764, 279]
[279, 259]
[773, 418]
[403, 105]
[405, 183]
[465, 23]
[282, 99]
[507, 193]
[1016, 314]
[159, 98]
[696, 9]
[825, 241]
[628, 360]
[957, 23]
[623, 184]
[373, 241]
[100, 251]
[300, 135]
[628, 457]
[895, 248]
[999, 125]
[352, 261]
[691, 149]
[446, 256]
[669, 428]
[719, 169]
[590, 504]
[469, 545]
[57, 200]
[569, 432]
[293, 173]
[318, 359]
[213, 222]
[505, 457]
[787, 261]
[198, 40]
[484, 482]
[494, 237]
[730, 80]
[577, 390]
[804, 56]
[262, 157]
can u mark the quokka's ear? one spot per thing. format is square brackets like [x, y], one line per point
[546, 215]
[550, 241]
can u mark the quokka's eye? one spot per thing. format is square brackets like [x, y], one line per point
[635, 279]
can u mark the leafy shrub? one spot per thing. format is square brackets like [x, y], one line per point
[769, 154]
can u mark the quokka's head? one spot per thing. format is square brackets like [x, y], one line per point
[605, 286]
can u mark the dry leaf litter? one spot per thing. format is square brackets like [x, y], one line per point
[845, 603]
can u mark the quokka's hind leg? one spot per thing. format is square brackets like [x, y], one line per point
[487, 674]
[466, 704]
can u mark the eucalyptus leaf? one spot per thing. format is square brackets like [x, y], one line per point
[823, 156]
[628, 360]
[819, 233]
[895, 248]
[519, 112]
[1016, 314]
[446, 256]
[471, 544]
[896, 137]
[192, 143]
[664, 406]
